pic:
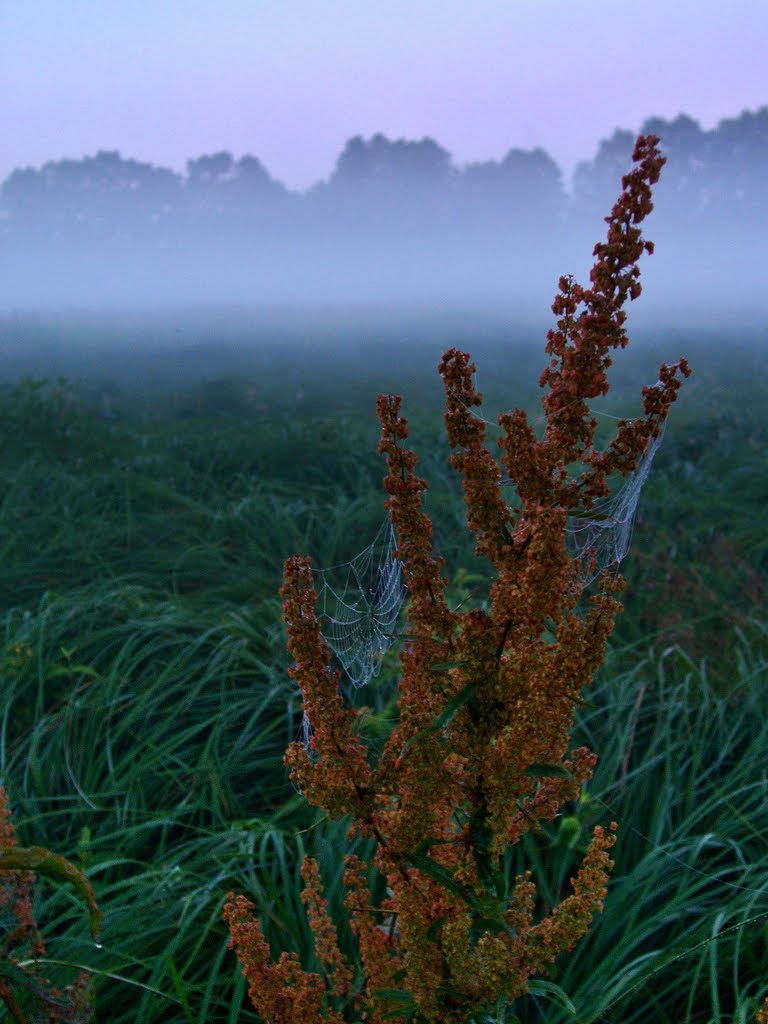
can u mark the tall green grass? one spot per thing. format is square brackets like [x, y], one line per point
[151, 755]
[145, 703]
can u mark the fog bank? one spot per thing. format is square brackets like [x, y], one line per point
[397, 224]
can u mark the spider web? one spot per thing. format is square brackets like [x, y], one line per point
[358, 603]
[358, 606]
[601, 537]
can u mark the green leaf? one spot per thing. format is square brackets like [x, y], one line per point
[445, 716]
[481, 837]
[553, 993]
[444, 666]
[178, 984]
[444, 877]
[499, 1016]
[395, 995]
[9, 971]
[548, 771]
[434, 870]
[462, 697]
[425, 844]
[71, 670]
[57, 868]
[403, 1011]
[498, 880]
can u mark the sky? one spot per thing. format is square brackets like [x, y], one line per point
[290, 81]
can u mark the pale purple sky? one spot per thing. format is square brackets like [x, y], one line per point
[291, 80]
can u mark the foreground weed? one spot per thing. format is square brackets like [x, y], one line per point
[480, 756]
[23, 989]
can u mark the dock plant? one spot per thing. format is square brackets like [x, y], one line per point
[480, 754]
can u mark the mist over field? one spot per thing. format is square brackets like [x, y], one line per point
[398, 224]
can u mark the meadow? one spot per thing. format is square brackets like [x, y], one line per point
[153, 482]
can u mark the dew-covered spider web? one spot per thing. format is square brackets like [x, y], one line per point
[600, 538]
[358, 603]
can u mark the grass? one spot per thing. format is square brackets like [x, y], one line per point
[146, 704]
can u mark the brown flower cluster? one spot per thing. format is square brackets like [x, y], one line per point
[480, 754]
[23, 990]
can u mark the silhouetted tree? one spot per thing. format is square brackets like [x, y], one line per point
[522, 188]
[225, 198]
[739, 157]
[593, 179]
[96, 197]
[685, 188]
[252, 177]
[389, 186]
[210, 170]
[250, 188]
[381, 162]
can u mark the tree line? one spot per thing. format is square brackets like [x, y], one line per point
[395, 217]
[392, 186]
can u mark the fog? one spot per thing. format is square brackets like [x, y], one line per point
[397, 225]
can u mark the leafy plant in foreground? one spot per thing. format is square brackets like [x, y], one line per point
[23, 990]
[486, 699]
